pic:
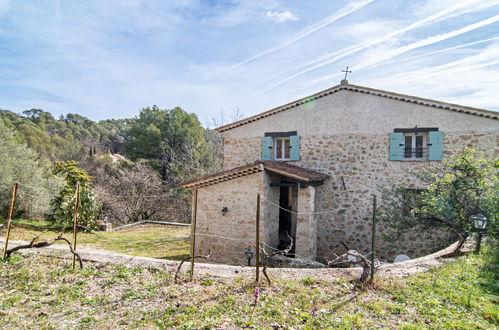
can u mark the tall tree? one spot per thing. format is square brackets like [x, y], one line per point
[171, 141]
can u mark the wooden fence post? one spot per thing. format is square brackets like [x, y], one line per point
[373, 240]
[257, 252]
[75, 220]
[9, 217]
[193, 230]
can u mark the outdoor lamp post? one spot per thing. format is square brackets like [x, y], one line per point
[480, 222]
[249, 255]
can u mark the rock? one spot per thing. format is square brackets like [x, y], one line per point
[401, 257]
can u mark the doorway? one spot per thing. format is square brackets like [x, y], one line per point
[286, 228]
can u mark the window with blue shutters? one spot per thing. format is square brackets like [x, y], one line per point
[281, 146]
[416, 144]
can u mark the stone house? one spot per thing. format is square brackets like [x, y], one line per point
[323, 157]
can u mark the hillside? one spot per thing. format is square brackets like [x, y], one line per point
[133, 164]
[45, 292]
[69, 137]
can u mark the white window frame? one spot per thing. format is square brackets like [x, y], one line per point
[413, 146]
[281, 140]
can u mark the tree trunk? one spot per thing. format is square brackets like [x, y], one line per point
[455, 251]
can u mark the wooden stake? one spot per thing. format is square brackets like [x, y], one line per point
[193, 229]
[257, 252]
[9, 217]
[373, 240]
[75, 220]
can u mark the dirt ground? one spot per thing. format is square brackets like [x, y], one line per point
[91, 254]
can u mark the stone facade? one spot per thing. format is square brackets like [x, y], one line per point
[346, 136]
[228, 236]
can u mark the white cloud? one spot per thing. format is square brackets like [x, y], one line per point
[307, 31]
[384, 54]
[368, 30]
[389, 37]
[470, 81]
[280, 17]
[109, 59]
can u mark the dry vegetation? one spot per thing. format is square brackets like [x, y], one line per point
[43, 292]
[155, 241]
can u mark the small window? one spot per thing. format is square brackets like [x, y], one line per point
[282, 148]
[415, 146]
[410, 144]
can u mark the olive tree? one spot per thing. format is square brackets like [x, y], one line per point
[458, 188]
[38, 185]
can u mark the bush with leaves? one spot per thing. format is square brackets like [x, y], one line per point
[63, 204]
[456, 189]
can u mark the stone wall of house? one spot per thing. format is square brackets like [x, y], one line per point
[241, 151]
[342, 113]
[306, 224]
[359, 167]
[238, 224]
[345, 135]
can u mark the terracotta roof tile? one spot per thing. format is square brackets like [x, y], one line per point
[295, 172]
[292, 171]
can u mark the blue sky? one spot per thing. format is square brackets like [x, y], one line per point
[110, 58]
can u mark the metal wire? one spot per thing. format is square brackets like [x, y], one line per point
[224, 237]
[252, 242]
[294, 212]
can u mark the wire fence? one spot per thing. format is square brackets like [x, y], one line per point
[264, 247]
[295, 212]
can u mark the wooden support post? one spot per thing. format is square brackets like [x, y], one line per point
[257, 239]
[193, 230]
[373, 240]
[9, 217]
[75, 219]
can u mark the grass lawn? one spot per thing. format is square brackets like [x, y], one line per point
[44, 292]
[156, 241]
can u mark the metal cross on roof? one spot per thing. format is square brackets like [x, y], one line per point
[346, 72]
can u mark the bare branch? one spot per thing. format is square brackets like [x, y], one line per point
[270, 255]
[366, 264]
[206, 257]
[46, 243]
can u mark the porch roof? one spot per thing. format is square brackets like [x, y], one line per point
[291, 171]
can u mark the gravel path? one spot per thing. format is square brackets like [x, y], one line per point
[91, 254]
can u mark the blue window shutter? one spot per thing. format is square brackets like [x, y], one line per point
[294, 144]
[435, 145]
[267, 148]
[396, 146]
